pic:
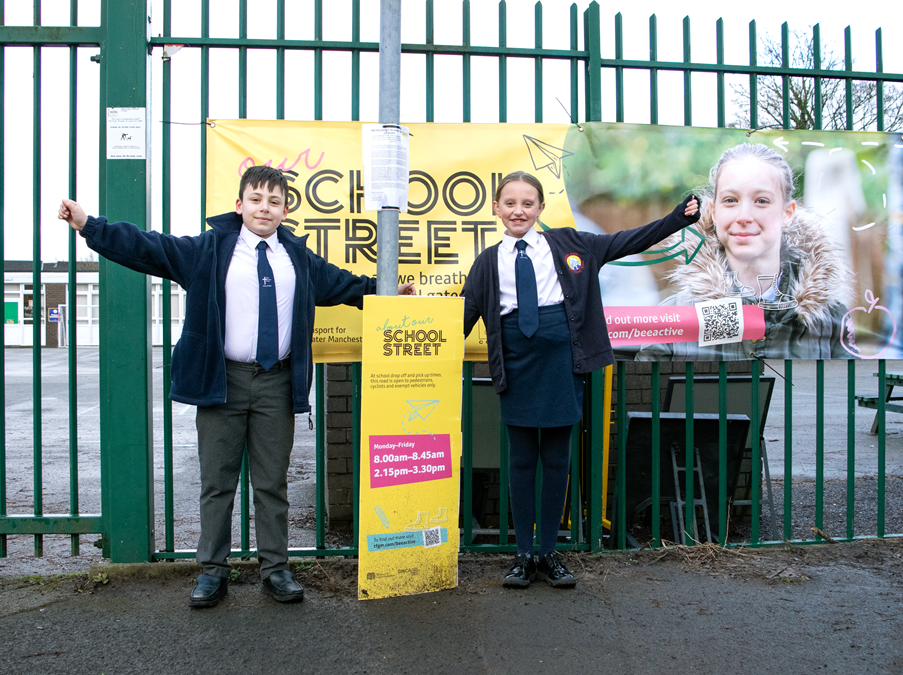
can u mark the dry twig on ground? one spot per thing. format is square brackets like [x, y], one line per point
[821, 534]
[698, 554]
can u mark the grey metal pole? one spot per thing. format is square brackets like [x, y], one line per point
[389, 113]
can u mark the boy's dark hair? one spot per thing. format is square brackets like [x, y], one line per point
[258, 175]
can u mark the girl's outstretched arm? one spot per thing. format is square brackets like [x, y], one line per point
[608, 247]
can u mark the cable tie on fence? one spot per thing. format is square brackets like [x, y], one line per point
[765, 363]
[189, 124]
[570, 117]
[767, 126]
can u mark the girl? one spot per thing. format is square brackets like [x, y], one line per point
[764, 248]
[538, 295]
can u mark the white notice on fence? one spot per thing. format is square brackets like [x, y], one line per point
[126, 133]
[386, 167]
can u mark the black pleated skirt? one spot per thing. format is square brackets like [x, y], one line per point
[542, 389]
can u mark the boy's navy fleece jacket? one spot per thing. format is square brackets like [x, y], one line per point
[199, 264]
[590, 346]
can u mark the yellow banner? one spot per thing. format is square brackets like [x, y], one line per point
[413, 349]
[454, 172]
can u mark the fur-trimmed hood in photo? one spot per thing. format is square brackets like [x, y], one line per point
[820, 280]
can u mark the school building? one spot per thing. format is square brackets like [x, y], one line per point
[53, 312]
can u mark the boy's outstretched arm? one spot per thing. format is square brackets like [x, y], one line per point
[73, 214]
[150, 252]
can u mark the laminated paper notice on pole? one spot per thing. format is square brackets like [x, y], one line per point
[126, 137]
[386, 166]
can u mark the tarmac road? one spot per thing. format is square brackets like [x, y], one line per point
[808, 610]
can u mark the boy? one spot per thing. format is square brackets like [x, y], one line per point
[244, 358]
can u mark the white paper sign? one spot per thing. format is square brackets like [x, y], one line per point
[126, 133]
[386, 167]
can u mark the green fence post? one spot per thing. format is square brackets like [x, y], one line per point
[592, 43]
[125, 357]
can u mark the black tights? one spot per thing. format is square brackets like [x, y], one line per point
[526, 449]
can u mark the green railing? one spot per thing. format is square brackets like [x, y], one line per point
[785, 530]
[38, 523]
[126, 521]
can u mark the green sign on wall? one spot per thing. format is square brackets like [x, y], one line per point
[10, 312]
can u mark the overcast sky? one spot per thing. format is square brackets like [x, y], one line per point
[769, 14]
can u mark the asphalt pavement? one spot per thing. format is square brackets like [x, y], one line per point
[813, 609]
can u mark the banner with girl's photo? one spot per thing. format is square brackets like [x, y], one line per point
[799, 253]
[800, 233]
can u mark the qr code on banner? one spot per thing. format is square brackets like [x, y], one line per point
[432, 537]
[720, 321]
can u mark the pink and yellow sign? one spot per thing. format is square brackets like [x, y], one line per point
[413, 349]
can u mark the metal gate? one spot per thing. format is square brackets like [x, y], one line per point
[124, 54]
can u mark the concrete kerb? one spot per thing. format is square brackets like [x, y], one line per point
[165, 571]
[471, 562]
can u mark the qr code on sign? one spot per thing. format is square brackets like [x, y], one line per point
[432, 537]
[720, 321]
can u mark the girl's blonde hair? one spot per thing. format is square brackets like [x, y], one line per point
[782, 171]
[761, 152]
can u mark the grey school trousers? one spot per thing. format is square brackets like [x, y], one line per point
[258, 410]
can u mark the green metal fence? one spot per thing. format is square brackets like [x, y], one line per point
[125, 54]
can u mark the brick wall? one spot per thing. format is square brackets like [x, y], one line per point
[339, 447]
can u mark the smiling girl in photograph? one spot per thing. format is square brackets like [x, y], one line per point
[538, 295]
[763, 247]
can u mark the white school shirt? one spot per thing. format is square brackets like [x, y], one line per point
[243, 296]
[548, 289]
